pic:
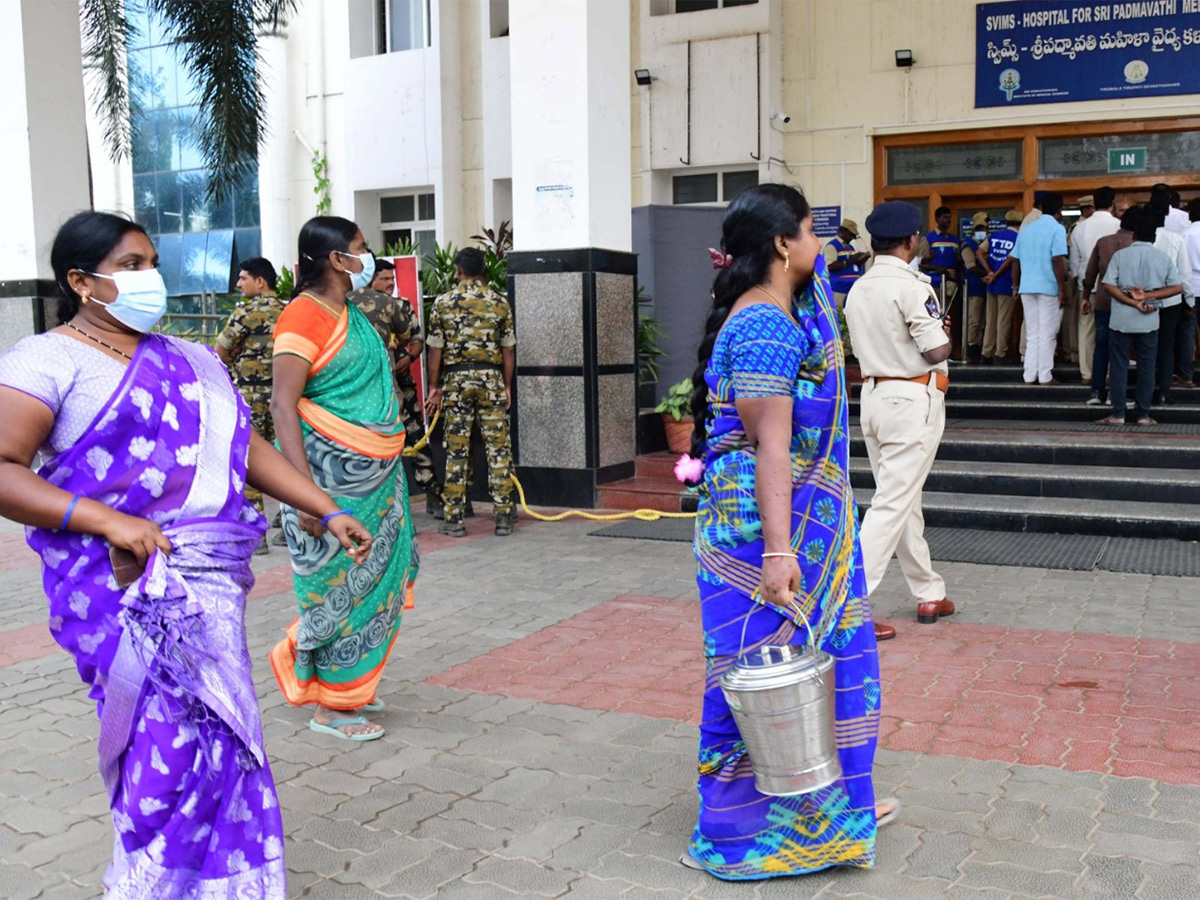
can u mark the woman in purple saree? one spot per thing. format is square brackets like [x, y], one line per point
[138, 512]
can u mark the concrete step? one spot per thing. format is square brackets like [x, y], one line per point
[1111, 518]
[970, 374]
[1040, 480]
[1016, 441]
[1054, 411]
[1057, 393]
[641, 492]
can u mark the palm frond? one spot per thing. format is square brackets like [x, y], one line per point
[105, 31]
[218, 43]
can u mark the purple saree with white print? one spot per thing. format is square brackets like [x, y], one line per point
[194, 807]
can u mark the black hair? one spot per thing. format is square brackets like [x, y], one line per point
[259, 267]
[1158, 207]
[1176, 200]
[82, 243]
[1129, 217]
[753, 220]
[1193, 209]
[886, 245]
[471, 262]
[1105, 197]
[1145, 225]
[383, 265]
[320, 236]
[1162, 189]
[937, 213]
[1052, 203]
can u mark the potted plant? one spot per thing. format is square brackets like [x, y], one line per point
[676, 411]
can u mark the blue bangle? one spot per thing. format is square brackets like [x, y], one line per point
[334, 515]
[70, 509]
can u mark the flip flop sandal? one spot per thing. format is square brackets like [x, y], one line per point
[375, 705]
[690, 862]
[332, 728]
[890, 816]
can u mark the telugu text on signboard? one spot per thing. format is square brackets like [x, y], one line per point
[1031, 51]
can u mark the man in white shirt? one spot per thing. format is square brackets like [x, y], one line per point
[1076, 264]
[1170, 314]
[1177, 220]
[1185, 344]
[1087, 234]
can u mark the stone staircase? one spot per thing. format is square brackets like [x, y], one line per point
[1019, 457]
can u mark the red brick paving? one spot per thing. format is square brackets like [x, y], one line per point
[30, 642]
[1082, 702]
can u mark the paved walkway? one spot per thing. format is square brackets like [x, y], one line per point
[542, 708]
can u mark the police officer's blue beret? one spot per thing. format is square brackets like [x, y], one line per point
[894, 219]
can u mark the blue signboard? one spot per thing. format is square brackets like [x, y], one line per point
[827, 219]
[1033, 51]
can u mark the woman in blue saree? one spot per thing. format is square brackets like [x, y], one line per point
[777, 540]
[139, 513]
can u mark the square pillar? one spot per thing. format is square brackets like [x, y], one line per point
[575, 422]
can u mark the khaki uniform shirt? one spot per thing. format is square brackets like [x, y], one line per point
[893, 319]
[248, 336]
[470, 324]
[393, 320]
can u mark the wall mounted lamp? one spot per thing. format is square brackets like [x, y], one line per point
[904, 59]
[642, 76]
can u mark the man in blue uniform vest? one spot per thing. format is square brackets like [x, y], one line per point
[976, 289]
[993, 257]
[941, 263]
[845, 267]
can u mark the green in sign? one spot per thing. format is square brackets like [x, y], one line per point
[1126, 159]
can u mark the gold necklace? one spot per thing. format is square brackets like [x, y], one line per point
[787, 310]
[321, 303]
[96, 340]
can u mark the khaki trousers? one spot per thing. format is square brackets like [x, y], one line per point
[902, 424]
[997, 327]
[839, 302]
[1087, 344]
[976, 307]
[1068, 341]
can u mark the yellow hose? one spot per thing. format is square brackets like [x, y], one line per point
[642, 515]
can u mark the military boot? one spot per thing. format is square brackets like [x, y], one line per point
[452, 528]
[505, 523]
[434, 504]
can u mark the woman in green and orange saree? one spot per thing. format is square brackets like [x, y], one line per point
[337, 416]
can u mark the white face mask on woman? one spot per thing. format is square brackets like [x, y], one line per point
[366, 275]
[141, 298]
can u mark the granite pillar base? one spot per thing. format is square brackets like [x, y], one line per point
[575, 403]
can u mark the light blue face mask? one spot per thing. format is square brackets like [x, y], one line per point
[364, 277]
[141, 298]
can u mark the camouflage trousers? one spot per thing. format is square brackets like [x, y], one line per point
[414, 429]
[471, 397]
[261, 421]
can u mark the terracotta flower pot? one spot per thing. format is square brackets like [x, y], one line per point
[679, 433]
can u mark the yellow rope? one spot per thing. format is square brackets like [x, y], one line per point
[642, 515]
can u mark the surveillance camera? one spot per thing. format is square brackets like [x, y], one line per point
[781, 117]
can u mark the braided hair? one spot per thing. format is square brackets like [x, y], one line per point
[753, 220]
[320, 236]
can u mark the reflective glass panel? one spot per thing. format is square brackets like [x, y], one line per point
[247, 243]
[169, 202]
[426, 209]
[219, 261]
[192, 263]
[695, 188]
[186, 127]
[245, 202]
[170, 247]
[1165, 153]
[999, 161]
[192, 188]
[736, 182]
[145, 207]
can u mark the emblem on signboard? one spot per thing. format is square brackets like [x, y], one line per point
[1136, 71]
[1010, 82]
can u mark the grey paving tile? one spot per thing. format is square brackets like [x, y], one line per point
[1168, 882]
[938, 856]
[1026, 855]
[522, 876]
[1018, 880]
[1012, 821]
[1066, 827]
[1109, 876]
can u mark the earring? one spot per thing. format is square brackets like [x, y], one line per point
[787, 261]
[85, 297]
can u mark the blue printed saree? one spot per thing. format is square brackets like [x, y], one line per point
[741, 833]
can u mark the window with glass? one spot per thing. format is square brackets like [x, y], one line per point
[199, 240]
[1163, 153]
[409, 218]
[401, 25]
[712, 187]
[686, 6]
[992, 161]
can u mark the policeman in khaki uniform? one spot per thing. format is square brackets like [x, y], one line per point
[471, 360]
[245, 345]
[395, 321]
[902, 345]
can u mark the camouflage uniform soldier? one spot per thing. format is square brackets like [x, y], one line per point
[471, 360]
[245, 346]
[395, 321]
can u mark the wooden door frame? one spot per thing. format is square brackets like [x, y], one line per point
[941, 193]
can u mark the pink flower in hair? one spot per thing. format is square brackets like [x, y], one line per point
[689, 470]
[720, 259]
